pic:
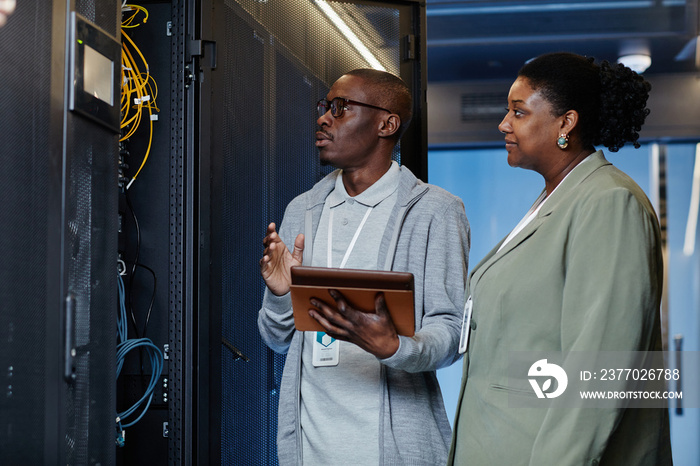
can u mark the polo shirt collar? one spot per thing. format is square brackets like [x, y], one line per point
[370, 197]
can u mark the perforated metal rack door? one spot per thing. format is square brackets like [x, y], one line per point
[274, 61]
[90, 242]
[91, 216]
[58, 238]
[24, 229]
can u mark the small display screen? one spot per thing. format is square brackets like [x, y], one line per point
[98, 75]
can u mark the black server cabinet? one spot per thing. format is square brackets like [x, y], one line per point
[58, 220]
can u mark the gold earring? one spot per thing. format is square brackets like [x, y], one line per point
[563, 141]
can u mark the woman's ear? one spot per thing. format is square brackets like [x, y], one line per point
[389, 125]
[569, 121]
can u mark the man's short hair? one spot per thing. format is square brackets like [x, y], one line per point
[390, 92]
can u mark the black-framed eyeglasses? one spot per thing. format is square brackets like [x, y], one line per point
[338, 105]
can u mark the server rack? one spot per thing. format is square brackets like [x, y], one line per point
[58, 220]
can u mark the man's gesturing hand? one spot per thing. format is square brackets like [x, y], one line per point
[373, 332]
[277, 261]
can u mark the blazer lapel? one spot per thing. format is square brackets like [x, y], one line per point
[495, 255]
[579, 174]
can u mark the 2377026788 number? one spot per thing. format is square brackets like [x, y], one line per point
[639, 374]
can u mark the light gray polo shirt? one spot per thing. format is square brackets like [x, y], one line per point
[340, 404]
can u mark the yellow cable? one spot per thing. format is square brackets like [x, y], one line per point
[137, 50]
[148, 151]
[129, 20]
[137, 86]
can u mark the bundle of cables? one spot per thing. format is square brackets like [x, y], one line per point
[124, 346]
[139, 89]
[138, 95]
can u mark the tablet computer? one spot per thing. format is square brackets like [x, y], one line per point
[359, 287]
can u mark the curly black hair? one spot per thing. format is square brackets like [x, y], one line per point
[610, 98]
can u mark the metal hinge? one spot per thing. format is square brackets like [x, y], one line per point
[188, 77]
[409, 47]
[198, 48]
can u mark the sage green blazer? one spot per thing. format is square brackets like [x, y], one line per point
[584, 275]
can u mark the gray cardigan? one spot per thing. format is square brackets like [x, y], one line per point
[427, 235]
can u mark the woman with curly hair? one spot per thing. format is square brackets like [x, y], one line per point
[581, 274]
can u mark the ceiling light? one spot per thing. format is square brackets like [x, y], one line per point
[349, 35]
[637, 62]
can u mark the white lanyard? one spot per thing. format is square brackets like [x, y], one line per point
[352, 243]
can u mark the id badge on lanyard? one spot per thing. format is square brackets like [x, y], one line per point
[326, 348]
[466, 326]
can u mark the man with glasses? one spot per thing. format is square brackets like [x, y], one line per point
[373, 398]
